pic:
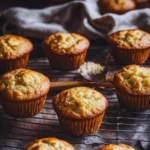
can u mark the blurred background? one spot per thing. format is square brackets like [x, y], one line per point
[30, 4]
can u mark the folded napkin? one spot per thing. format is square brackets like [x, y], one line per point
[77, 16]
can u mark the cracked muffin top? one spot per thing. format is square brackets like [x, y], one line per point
[117, 6]
[116, 147]
[133, 79]
[66, 43]
[80, 102]
[13, 46]
[49, 144]
[131, 39]
[23, 84]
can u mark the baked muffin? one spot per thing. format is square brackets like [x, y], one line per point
[49, 144]
[116, 147]
[66, 51]
[142, 4]
[132, 85]
[14, 52]
[116, 6]
[130, 46]
[80, 110]
[23, 92]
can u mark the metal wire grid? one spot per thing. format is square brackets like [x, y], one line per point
[118, 126]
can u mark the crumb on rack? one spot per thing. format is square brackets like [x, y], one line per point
[92, 68]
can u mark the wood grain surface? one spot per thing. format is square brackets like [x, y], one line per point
[118, 126]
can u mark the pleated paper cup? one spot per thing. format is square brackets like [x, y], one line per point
[130, 56]
[67, 61]
[22, 109]
[133, 102]
[81, 127]
[7, 65]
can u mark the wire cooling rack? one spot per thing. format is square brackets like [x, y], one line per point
[118, 126]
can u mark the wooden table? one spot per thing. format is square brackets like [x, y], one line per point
[118, 126]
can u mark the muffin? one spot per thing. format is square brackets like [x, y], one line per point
[116, 6]
[66, 51]
[80, 110]
[130, 46]
[49, 144]
[14, 52]
[142, 4]
[116, 147]
[23, 92]
[132, 85]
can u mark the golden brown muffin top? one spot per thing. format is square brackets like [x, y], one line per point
[49, 144]
[118, 6]
[116, 147]
[133, 79]
[23, 84]
[80, 103]
[66, 43]
[131, 39]
[13, 46]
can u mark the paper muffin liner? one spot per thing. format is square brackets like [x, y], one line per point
[8, 65]
[21, 109]
[67, 61]
[82, 126]
[134, 102]
[127, 56]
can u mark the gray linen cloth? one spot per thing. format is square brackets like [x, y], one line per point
[77, 16]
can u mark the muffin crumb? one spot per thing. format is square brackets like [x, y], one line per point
[91, 68]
